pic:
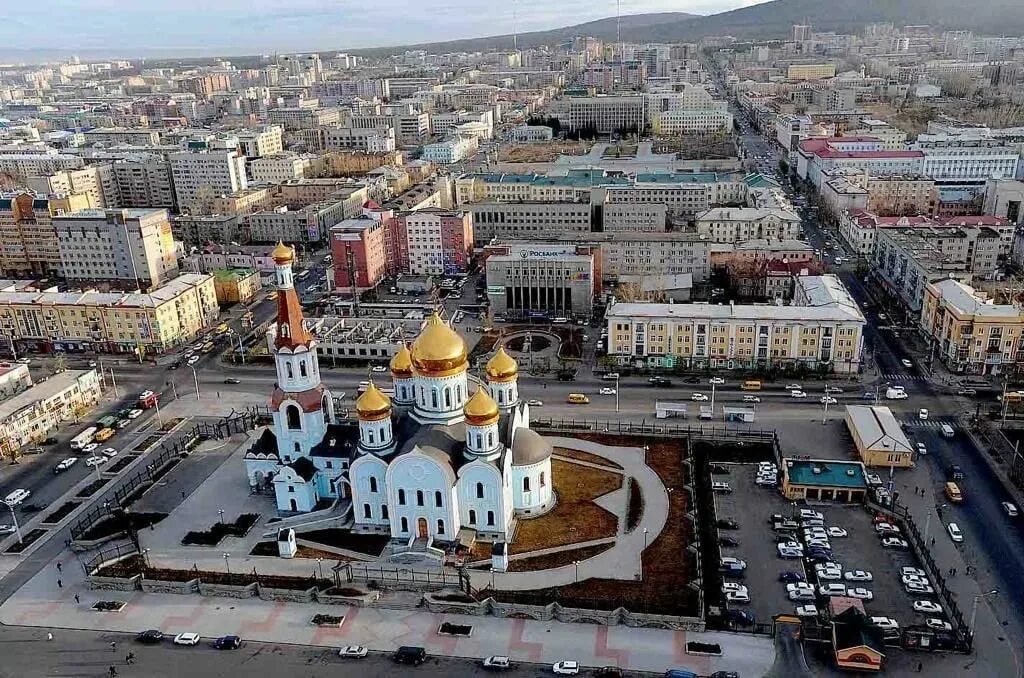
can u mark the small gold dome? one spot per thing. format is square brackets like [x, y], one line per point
[282, 254]
[439, 351]
[401, 363]
[373, 404]
[481, 410]
[502, 366]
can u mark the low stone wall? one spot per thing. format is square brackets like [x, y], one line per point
[161, 586]
[287, 595]
[228, 590]
[366, 600]
[346, 553]
[97, 583]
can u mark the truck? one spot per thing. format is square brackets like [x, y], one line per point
[108, 421]
[148, 400]
[83, 438]
[895, 393]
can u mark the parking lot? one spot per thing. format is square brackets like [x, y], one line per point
[752, 506]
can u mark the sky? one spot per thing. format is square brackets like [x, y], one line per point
[267, 26]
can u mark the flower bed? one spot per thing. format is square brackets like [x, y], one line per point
[449, 629]
[635, 505]
[218, 531]
[370, 544]
[26, 540]
[121, 522]
[91, 488]
[327, 620]
[61, 513]
[109, 605]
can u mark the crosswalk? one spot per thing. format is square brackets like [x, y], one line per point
[925, 423]
[901, 376]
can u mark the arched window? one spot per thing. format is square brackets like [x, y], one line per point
[419, 497]
[472, 517]
[284, 330]
[479, 490]
[433, 397]
[447, 398]
[458, 394]
[298, 448]
[288, 369]
[479, 441]
[405, 524]
[542, 481]
[373, 484]
[302, 368]
[490, 439]
[526, 484]
[293, 418]
[367, 513]
[437, 498]
[440, 527]
[401, 502]
[501, 396]
[384, 511]
[369, 435]
[490, 518]
[401, 390]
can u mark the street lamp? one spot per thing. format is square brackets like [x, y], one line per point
[928, 522]
[712, 382]
[616, 391]
[145, 557]
[221, 512]
[227, 562]
[320, 565]
[17, 528]
[824, 416]
[195, 377]
[645, 539]
[576, 568]
[974, 608]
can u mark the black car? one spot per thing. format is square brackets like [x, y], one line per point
[408, 654]
[150, 637]
[724, 674]
[608, 672]
[718, 469]
[728, 541]
[791, 577]
[727, 524]
[691, 380]
[227, 643]
[50, 441]
[739, 617]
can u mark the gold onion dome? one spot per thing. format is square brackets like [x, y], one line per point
[439, 351]
[502, 366]
[373, 404]
[401, 363]
[282, 253]
[481, 410]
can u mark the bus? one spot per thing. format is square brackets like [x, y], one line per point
[578, 399]
[83, 438]
[148, 400]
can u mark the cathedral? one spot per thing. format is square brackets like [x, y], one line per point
[443, 453]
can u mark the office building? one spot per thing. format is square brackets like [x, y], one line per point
[113, 136]
[130, 248]
[530, 279]
[810, 71]
[35, 414]
[273, 169]
[432, 241]
[366, 140]
[966, 161]
[602, 114]
[207, 173]
[821, 330]
[737, 224]
[206, 84]
[298, 118]
[306, 224]
[679, 122]
[142, 181]
[532, 133]
[450, 151]
[816, 157]
[1004, 198]
[260, 141]
[359, 252]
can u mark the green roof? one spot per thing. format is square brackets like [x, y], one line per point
[223, 274]
[825, 472]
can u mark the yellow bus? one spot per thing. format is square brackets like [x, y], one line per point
[578, 399]
[751, 385]
[104, 435]
[954, 493]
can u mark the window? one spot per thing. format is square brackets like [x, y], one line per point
[479, 441]
[384, 511]
[526, 484]
[298, 448]
[401, 499]
[433, 398]
[302, 367]
[490, 518]
[293, 418]
[458, 394]
[367, 513]
[479, 490]
[373, 484]
[291, 488]
[542, 483]
[440, 527]
[437, 498]
[405, 524]
[490, 439]
[369, 436]
[288, 369]
[447, 398]
[472, 517]
[419, 497]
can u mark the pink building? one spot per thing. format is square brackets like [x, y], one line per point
[365, 237]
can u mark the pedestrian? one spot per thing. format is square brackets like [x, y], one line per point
[954, 571]
[131, 657]
[49, 635]
[59, 568]
[113, 646]
[77, 599]
[60, 584]
[933, 541]
[112, 671]
[920, 667]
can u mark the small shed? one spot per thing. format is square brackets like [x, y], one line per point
[879, 438]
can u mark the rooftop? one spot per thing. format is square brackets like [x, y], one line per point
[877, 428]
[835, 312]
[162, 294]
[966, 301]
[58, 383]
[825, 472]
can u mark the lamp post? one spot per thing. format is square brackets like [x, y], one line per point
[645, 539]
[974, 608]
[195, 377]
[17, 528]
[712, 382]
[145, 557]
[221, 512]
[320, 566]
[824, 416]
[928, 523]
[113, 382]
[576, 570]
[227, 562]
[616, 391]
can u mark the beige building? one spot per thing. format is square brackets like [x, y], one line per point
[821, 330]
[235, 285]
[120, 247]
[32, 415]
[241, 202]
[810, 71]
[170, 316]
[738, 224]
[96, 181]
[346, 163]
[971, 334]
[28, 238]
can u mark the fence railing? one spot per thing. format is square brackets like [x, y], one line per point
[108, 554]
[709, 432]
[404, 577]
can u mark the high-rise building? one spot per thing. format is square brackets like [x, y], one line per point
[212, 173]
[96, 181]
[28, 239]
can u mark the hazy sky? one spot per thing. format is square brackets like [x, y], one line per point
[259, 26]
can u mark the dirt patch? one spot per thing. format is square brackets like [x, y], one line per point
[134, 565]
[351, 593]
[455, 598]
[92, 487]
[580, 455]
[218, 531]
[575, 518]
[538, 343]
[121, 463]
[66, 508]
[121, 522]
[559, 559]
[370, 544]
[634, 506]
[666, 572]
[148, 442]
[26, 540]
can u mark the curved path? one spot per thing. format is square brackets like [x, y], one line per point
[622, 561]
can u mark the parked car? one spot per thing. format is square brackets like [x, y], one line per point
[806, 611]
[91, 447]
[150, 637]
[967, 392]
[733, 586]
[858, 575]
[727, 524]
[938, 624]
[109, 452]
[886, 529]
[409, 654]
[894, 543]
[719, 486]
[566, 668]
[1010, 509]
[884, 623]
[728, 541]
[912, 572]
[740, 617]
[65, 465]
[927, 606]
[954, 532]
[829, 574]
[811, 514]
[227, 643]
[837, 532]
[187, 638]
[353, 652]
[727, 563]
[800, 594]
[134, 414]
[861, 593]
[905, 362]
[832, 590]
[919, 588]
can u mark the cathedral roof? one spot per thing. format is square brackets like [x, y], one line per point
[291, 326]
[373, 404]
[265, 445]
[338, 442]
[481, 410]
[304, 468]
[528, 447]
[439, 351]
[282, 254]
[502, 366]
[401, 363]
[309, 400]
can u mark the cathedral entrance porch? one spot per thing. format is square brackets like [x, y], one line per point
[421, 528]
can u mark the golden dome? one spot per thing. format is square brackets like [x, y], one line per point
[373, 404]
[481, 410]
[439, 351]
[502, 366]
[401, 363]
[282, 254]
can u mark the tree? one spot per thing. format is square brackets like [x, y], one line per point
[783, 166]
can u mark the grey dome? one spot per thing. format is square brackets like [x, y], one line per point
[529, 448]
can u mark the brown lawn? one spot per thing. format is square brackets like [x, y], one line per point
[557, 559]
[575, 518]
[587, 456]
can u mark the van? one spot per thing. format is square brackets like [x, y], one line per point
[954, 493]
[947, 431]
[578, 399]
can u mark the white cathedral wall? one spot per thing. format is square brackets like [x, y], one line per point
[297, 371]
[258, 469]
[490, 481]
[312, 431]
[415, 472]
[539, 493]
[444, 411]
[363, 469]
[295, 489]
[506, 394]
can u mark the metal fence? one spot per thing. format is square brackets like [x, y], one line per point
[999, 448]
[710, 432]
[106, 555]
[433, 579]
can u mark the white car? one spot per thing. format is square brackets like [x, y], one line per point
[811, 514]
[95, 461]
[607, 391]
[790, 550]
[717, 381]
[954, 532]
[914, 579]
[566, 668]
[66, 464]
[906, 363]
[751, 399]
[922, 413]
[737, 596]
[699, 397]
[799, 586]
[733, 586]
[917, 587]
[921, 449]
[806, 611]
[767, 481]
[938, 624]
[800, 595]
[379, 369]
[1010, 509]
[894, 543]
[927, 607]
[797, 394]
[794, 387]
[187, 638]
[135, 414]
[912, 572]
[837, 532]
[832, 590]
[497, 662]
[719, 486]
[830, 574]
[833, 389]
[16, 497]
[731, 563]
[352, 652]
[884, 623]
[192, 360]
[828, 400]
[91, 447]
[861, 593]
[887, 528]
[818, 543]
[535, 403]
[858, 575]
[109, 452]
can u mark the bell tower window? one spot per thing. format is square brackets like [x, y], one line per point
[293, 418]
[302, 368]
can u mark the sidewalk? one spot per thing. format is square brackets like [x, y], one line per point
[41, 603]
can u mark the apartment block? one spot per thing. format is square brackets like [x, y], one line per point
[310, 223]
[810, 71]
[28, 237]
[33, 415]
[433, 241]
[95, 181]
[450, 151]
[1004, 198]
[357, 163]
[604, 114]
[821, 330]
[206, 173]
[206, 84]
[360, 253]
[272, 169]
[121, 247]
[143, 181]
[260, 141]
[737, 224]
[122, 135]
[972, 334]
[296, 118]
[36, 164]
[367, 140]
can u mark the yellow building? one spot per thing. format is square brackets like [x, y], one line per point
[240, 202]
[236, 285]
[355, 163]
[879, 438]
[28, 238]
[810, 71]
[971, 334]
[34, 414]
[170, 316]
